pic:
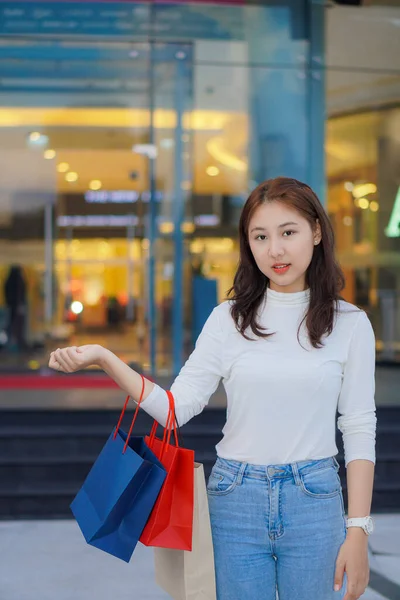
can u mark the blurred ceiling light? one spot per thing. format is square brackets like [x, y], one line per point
[71, 176]
[34, 136]
[212, 171]
[347, 221]
[77, 307]
[37, 139]
[166, 227]
[363, 203]
[215, 147]
[188, 227]
[363, 189]
[62, 167]
[374, 206]
[349, 186]
[95, 184]
[49, 154]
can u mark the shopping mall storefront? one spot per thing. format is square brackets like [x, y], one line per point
[130, 136]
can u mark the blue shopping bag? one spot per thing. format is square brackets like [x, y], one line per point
[118, 495]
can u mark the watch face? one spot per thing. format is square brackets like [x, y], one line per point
[369, 525]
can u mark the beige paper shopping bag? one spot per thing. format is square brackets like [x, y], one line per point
[190, 575]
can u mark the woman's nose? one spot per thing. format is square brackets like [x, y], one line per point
[275, 249]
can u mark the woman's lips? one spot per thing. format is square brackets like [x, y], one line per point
[281, 270]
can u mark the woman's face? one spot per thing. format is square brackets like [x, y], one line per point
[282, 242]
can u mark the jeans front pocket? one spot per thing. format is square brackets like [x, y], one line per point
[321, 483]
[221, 481]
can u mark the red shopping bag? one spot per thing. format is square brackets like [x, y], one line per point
[170, 524]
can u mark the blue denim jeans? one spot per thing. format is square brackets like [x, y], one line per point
[277, 529]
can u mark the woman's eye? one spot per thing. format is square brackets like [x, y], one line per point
[263, 237]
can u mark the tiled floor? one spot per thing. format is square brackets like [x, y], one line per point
[43, 560]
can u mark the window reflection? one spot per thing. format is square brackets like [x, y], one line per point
[77, 145]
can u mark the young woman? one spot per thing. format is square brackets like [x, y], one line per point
[290, 352]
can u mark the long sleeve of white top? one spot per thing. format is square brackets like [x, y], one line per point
[197, 380]
[356, 405]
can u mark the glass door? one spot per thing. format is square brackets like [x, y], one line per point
[124, 184]
[105, 125]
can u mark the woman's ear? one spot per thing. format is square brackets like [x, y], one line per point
[317, 232]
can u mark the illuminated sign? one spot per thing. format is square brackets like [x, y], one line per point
[207, 220]
[120, 196]
[97, 221]
[124, 220]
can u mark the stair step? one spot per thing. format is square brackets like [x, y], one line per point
[10, 432]
[95, 417]
[77, 427]
[45, 455]
[22, 492]
[41, 460]
[61, 460]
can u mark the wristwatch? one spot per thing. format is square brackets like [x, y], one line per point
[366, 523]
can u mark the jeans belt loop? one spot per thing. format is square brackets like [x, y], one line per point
[241, 473]
[296, 474]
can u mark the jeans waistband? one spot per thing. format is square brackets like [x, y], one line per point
[278, 471]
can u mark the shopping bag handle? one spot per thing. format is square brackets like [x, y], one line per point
[134, 416]
[171, 420]
[168, 425]
[171, 425]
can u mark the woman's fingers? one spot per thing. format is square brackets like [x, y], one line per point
[52, 360]
[53, 364]
[73, 359]
[65, 360]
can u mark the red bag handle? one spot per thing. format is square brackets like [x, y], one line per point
[170, 426]
[171, 421]
[173, 417]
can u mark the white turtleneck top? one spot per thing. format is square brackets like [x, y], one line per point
[282, 398]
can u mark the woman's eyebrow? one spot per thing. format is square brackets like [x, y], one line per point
[286, 224]
[279, 226]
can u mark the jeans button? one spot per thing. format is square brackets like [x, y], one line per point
[271, 471]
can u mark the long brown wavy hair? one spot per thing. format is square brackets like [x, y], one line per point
[324, 276]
